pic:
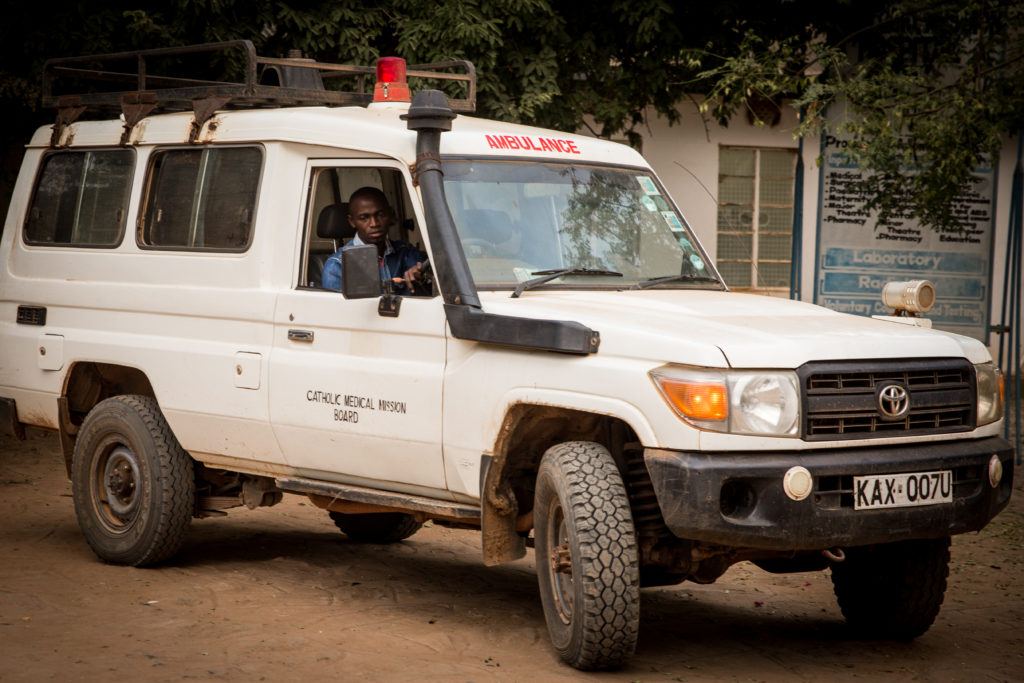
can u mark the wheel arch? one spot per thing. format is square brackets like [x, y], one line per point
[86, 383]
[528, 428]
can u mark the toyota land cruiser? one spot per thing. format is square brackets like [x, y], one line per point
[576, 378]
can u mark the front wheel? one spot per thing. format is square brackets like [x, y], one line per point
[132, 482]
[892, 591]
[586, 555]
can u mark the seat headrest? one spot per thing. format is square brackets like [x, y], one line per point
[486, 224]
[332, 224]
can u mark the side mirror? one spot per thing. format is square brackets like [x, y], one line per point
[360, 272]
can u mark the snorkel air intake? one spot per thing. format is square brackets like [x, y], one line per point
[429, 115]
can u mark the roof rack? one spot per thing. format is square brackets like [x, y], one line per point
[126, 83]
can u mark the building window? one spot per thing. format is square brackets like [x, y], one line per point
[755, 216]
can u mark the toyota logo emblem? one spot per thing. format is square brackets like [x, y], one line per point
[893, 402]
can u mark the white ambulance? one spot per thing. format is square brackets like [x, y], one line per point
[572, 374]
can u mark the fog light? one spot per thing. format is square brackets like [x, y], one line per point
[797, 482]
[737, 499]
[995, 471]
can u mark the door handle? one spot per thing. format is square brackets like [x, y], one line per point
[300, 335]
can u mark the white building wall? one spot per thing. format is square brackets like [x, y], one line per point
[685, 155]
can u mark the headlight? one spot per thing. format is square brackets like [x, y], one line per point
[766, 403]
[990, 393]
[757, 402]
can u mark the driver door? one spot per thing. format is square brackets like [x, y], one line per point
[356, 397]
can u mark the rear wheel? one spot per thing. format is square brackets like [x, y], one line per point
[132, 482]
[892, 591]
[586, 555]
[382, 527]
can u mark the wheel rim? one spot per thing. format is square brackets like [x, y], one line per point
[559, 565]
[117, 487]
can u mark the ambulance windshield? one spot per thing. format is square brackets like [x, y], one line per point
[612, 227]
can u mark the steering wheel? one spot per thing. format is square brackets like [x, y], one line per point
[425, 285]
[482, 247]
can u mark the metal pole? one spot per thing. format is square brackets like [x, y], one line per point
[796, 251]
[1004, 329]
[1016, 228]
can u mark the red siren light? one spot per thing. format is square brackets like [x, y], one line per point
[391, 85]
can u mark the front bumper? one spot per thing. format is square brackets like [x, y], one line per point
[737, 499]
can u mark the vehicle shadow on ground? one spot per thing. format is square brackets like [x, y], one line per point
[414, 564]
[688, 629]
[680, 627]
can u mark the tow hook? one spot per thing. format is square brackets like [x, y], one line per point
[834, 554]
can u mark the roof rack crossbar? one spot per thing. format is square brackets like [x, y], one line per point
[66, 65]
[434, 70]
[340, 69]
[126, 77]
[179, 99]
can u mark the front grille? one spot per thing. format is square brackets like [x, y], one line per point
[840, 399]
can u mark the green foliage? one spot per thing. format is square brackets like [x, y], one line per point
[927, 90]
[931, 85]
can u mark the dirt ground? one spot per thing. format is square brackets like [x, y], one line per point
[278, 594]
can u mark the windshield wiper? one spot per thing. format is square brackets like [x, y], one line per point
[687, 277]
[549, 275]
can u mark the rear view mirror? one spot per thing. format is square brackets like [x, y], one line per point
[360, 272]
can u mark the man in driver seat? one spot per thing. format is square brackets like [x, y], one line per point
[372, 217]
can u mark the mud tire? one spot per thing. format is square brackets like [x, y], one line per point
[145, 523]
[383, 527]
[892, 591]
[581, 506]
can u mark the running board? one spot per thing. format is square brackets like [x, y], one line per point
[387, 499]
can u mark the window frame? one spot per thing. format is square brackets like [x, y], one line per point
[404, 184]
[754, 262]
[147, 196]
[48, 154]
[583, 286]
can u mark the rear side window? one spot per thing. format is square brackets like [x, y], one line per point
[81, 199]
[201, 199]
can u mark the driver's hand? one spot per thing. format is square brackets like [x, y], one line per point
[413, 275]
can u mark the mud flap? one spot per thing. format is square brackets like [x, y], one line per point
[498, 513]
[9, 424]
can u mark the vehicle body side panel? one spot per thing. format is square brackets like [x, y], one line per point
[179, 317]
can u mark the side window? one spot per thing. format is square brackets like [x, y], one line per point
[201, 199]
[327, 224]
[81, 199]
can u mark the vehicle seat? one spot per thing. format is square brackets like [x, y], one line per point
[332, 227]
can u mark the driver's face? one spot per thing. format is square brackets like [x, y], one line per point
[371, 218]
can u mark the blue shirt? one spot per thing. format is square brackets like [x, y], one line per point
[398, 257]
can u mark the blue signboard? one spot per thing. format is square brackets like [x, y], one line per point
[857, 254]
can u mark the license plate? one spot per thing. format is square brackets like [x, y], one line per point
[902, 490]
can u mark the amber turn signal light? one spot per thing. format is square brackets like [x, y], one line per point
[696, 400]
